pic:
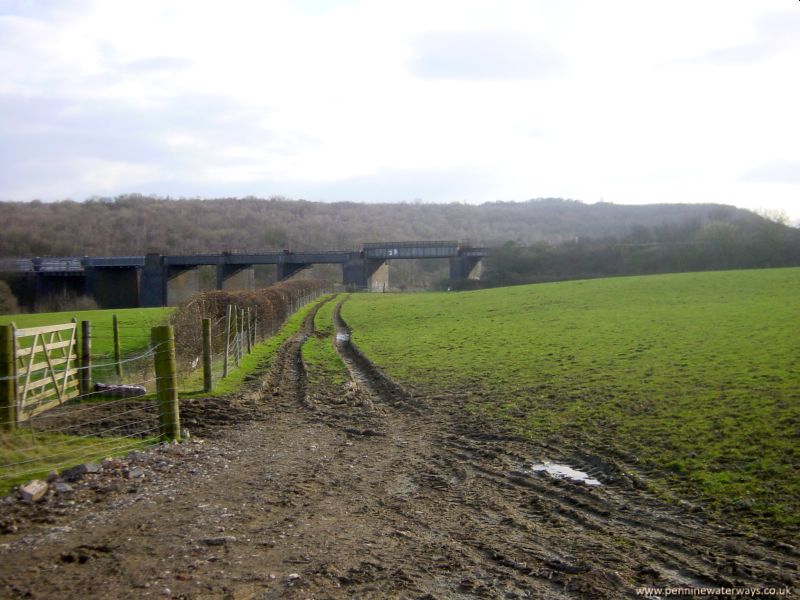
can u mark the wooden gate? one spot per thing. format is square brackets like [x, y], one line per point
[46, 365]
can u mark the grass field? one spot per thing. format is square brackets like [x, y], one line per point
[134, 324]
[692, 376]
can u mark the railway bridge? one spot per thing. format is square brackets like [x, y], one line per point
[166, 280]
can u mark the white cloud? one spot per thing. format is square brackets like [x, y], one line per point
[623, 100]
[484, 56]
[780, 171]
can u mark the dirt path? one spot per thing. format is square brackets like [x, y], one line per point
[371, 492]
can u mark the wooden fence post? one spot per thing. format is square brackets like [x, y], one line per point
[242, 341]
[8, 378]
[249, 333]
[163, 338]
[117, 351]
[206, 355]
[227, 343]
[235, 329]
[86, 357]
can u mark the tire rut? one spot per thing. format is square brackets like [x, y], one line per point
[287, 376]
[650, 542]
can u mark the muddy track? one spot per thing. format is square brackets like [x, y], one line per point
[287, 374]
[363, 372]
[370, 491]
[608, 525]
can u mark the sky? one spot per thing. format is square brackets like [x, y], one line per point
[472, 101]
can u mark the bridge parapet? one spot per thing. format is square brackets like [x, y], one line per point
[113, 262]
[392, 250]
[476, 252]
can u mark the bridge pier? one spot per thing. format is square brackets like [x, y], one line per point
[286, 270]
[236, 278]
[153, 282]
[366, 274]
[466, 267]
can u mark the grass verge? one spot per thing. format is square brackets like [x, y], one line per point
[322, 362]
[25, 455]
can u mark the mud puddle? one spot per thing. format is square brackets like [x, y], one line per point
[562, 471]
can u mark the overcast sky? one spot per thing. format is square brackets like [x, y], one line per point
[621, 100]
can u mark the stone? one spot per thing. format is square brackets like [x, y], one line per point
[33, 491]
[134, 473]
[111, 464]
[52, 476]
[62, 487]
[218, 541]
[75, 473]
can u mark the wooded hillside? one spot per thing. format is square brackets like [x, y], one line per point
[538, 240]
[136, 224]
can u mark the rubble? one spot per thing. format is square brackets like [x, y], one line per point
[75, 473]
[33, 491]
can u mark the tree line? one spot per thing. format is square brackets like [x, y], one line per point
[537, 240]
[135, 224]
[718, 244]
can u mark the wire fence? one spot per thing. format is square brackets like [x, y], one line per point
[123, 408]
[88, 427]
[232, 336]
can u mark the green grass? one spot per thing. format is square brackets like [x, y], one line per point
[26, 456]
[694, 376]
[135, 324]
[322, 362]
